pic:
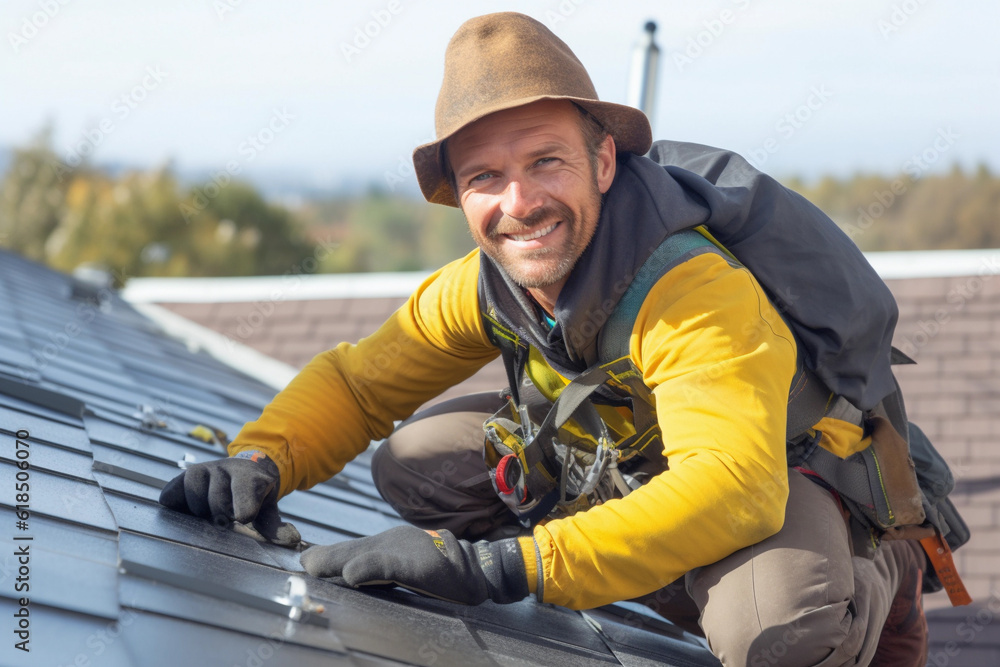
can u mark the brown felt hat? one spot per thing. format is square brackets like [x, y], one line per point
[506, 60]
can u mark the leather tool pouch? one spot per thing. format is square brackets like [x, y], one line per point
[893, 480]
[878, 485]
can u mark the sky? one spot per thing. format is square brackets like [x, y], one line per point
[332, 95]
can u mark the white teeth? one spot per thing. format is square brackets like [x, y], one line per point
[540, 233]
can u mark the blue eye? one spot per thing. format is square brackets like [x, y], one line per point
[480, 177]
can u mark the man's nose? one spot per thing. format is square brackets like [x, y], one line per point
[521, 199]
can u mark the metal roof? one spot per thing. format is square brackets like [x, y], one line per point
[108, 399]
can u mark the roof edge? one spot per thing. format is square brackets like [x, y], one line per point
[934, 263]
[273, 288]
[889, 265]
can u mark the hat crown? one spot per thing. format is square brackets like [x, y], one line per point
[501, 57]
[506, 60]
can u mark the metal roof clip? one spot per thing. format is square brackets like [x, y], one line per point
[147, 414]
[297, 599]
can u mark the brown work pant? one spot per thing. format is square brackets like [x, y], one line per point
[796, 598]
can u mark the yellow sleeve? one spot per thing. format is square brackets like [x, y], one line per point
[348, 396]
[719, 361]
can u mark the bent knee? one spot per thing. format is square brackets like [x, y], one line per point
[827, 635]
[393, 478]
[433, 464]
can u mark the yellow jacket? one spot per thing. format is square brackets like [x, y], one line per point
[717, 357]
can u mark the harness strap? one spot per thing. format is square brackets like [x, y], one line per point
[514, 369]
[939, 553]
[807, 404]
[808, 400]
[571, 398]
[613, 340]
[513, 351]
[572, 403]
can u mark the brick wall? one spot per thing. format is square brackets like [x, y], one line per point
[951, 327]
[295, 331]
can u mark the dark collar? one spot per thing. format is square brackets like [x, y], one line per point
[641, 208]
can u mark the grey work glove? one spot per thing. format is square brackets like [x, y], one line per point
[433, 563]
[243, 489]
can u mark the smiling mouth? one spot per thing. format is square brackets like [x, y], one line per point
[533, 235]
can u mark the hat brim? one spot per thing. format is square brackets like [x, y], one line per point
[627, 125]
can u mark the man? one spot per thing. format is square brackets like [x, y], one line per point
[584, 271]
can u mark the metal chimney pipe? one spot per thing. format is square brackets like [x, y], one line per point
[643, 75]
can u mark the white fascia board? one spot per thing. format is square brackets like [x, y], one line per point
[934, 263]
[273, 288]
[889, 265]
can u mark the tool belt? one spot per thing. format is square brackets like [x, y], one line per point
[895, 489]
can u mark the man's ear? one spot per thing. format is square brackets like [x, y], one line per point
[606, 164]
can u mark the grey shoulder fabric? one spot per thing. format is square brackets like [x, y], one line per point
[841, 312]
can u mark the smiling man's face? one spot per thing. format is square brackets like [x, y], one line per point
[530, 191]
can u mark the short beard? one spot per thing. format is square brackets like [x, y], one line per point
[537, 281]
[574, 249]
[537, 220]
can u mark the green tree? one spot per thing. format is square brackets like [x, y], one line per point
[937, 211]
[139, 224]
[378, 232]
[237, 233]
[31, 196]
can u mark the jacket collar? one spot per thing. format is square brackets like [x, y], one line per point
[641, 208]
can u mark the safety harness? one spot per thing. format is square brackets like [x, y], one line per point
[559, 456]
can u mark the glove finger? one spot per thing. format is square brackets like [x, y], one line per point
[172, 495]
[325, 561]
[269, 524]
[372, 568]
[220, 498]
[196, 482]
[329, 560]
[248, 494]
